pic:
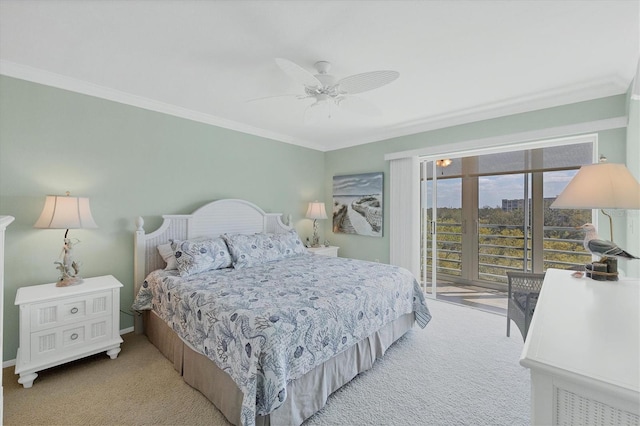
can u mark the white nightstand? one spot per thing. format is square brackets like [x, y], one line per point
[325, 251]
[62, 324]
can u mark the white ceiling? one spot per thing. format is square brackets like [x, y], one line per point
[459, 61]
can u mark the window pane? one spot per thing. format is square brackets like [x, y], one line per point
[563, 247]
[501, 226]
[450, 226]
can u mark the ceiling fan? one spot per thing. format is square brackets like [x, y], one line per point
[330, 93]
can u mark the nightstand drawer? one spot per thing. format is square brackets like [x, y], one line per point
[55, 313]
[56, 341]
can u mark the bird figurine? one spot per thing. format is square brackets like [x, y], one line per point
[602, 248]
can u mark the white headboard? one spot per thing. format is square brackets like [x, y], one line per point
[213, 219]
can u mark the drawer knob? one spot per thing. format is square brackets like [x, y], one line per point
[74, 336]
[74, 310]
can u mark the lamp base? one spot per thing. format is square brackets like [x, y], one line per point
[604, 270]
[67, 281]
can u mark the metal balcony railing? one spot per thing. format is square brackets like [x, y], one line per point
[502, 248]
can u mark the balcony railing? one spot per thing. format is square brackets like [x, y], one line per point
[503, 248]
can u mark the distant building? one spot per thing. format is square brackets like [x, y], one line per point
[518, 204]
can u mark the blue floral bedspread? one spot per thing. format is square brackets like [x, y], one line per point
[272, 323]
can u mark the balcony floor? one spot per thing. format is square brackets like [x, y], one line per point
[478, 297]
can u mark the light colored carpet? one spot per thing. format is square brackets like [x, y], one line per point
[460, 370]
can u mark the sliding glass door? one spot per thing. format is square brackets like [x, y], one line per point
[485, 215]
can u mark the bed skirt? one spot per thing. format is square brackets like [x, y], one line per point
[305, 395]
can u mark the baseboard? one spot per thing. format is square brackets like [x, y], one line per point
[12, 362]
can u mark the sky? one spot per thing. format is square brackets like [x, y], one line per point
[493, 189]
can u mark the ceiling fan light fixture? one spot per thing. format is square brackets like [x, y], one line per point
[445, 162]
[323, 67]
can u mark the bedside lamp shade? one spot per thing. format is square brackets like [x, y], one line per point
[65, 212]
[316, 210]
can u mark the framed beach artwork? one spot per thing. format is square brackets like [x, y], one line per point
[357, 204]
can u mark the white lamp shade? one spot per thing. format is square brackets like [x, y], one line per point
[316, 211]
[600, 186]
[64, 212]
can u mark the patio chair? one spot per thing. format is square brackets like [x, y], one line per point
[524, 289]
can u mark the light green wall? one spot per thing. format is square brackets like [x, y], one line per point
[370, 157]
[133, 162]
[130, 162]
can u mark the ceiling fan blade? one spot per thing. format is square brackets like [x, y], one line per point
[288, 95]
[359, 106]
[297, 73]
[317, 112]
[366, 81]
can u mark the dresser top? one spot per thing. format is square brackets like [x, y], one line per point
[587, 328]
[36, 293]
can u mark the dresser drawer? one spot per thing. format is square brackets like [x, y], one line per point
[58, 341]
[59, 312]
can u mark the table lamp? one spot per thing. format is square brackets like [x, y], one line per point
[316, 211]
[66, 212]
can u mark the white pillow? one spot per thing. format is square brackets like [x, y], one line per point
[166, 252]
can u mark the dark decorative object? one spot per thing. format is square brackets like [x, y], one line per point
[605, 270]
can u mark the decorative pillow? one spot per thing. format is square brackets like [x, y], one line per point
[166, 252]
[255, 249]
[193, 256]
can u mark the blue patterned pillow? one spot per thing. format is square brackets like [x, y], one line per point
[256, 249]
[193, 256]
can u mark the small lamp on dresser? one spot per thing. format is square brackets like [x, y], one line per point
[316, 211]
[66, 212]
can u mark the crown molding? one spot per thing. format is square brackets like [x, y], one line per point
[609, 86]
[36, 75]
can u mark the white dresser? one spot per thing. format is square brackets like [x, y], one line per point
[62, 324]
[583, 349]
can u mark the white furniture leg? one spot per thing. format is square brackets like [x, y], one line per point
[113, 353]
[26, 379]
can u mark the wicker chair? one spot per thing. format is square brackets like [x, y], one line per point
[523, 294]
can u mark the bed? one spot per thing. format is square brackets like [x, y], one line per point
[266, 337]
